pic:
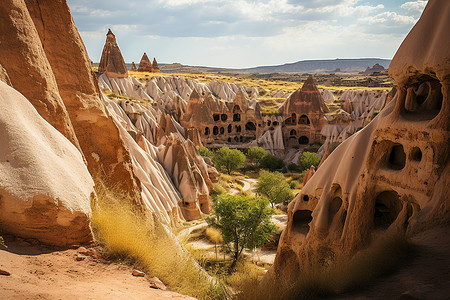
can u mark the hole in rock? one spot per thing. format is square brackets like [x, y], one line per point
[222, 130]
[387, 207]
[229, 140]
[275, 123]
[206, 130]
[238, 128]
[303, 140]
[236, 139]
[236, 117]
[293, 132]
[423, 99]
[216, 117]
[215, 130]
[269, 122]
[223, 117]
[397, 157]
[292, 120]
[236, 108]
[303, 120]
[301, 220]
[416, 154]
[230, 128]
[250, 126]
[305, 198]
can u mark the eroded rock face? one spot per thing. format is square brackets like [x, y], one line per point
[391, 176]
[45, 187]
[155, 67]
[133, 67]
[112, 62]
[145, 64]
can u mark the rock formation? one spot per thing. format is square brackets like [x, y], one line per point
[155, 67]
[304, 115]
[45, 187]
[391, 176]
[112, 62]
[133, 67]
[145, 64]
[375, 68]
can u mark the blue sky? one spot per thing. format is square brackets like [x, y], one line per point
[246, 33]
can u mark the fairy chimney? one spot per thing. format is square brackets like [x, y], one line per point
[145, 65]
[112, 62]
[133, 67]
[155, 66]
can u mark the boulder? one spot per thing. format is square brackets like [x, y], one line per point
[45, 187]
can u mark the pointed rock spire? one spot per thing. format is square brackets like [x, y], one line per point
[145, 65]
[155, 66]
[133, 67]
[112, 62]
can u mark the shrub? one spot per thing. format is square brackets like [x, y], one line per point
[292, 167]
[271, 162]
[2, 242]
[309, 159]
[244, 222]
[229, 159]
[256, 153]
[274, 187]
[203, 151]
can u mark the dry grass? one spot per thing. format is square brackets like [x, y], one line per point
[126, 234]
[319, 280]
[2, 242]
[214, 235]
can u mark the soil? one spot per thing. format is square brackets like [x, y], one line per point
[39, 272]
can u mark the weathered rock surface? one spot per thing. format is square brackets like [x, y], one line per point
[133, 67]
[45, 187]
[112, 62]
[391, 176]
[155, 67]
[145, 65]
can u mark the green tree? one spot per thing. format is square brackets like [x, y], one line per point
[256, 154]
[203, 151]
[274, 187]
[271, 162]
[229, 159]
[309, 159]
[244, 222]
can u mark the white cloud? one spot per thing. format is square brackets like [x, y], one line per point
[415, 6]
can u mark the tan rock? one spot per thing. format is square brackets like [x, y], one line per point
[112, 62]
[133, 67]
[391, 176]
[155, 67]
[137, 273]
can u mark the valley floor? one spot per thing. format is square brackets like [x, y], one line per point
[41, 273]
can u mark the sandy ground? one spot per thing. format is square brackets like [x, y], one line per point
[41, 273]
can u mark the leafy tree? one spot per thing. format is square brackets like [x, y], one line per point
[244, 222]
[256, 153]
[229, 159]
[271, 162]
[274, 187]
[203, 151]
[309, 159]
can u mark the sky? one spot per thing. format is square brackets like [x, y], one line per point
[246, 33]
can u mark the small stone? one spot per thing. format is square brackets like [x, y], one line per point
[4, 272]
[80, 257]
[155, 283]
[138, 273]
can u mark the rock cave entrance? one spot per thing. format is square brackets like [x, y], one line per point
[236, 109]
[387, 207]
[206, 130]
[301, 220]
[303, 140]
[303, 120]
[397, 157]
[222, 130]
[416, 154]
[269, 122]
[215, 130]
[223, 117]
[216, 117]
[292, 120]
[424, 98]
[250, 126]
[238, 128]
[293, 132]
[236, 139]
[275, 123]
[230, 128]
[236, 117]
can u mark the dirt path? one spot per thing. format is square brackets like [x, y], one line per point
[41, 273]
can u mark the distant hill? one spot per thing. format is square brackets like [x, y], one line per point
[322, 66]
[305, 66]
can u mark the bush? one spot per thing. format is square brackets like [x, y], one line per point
[229, 159]
[309, 159]
[271, 162]
[274, 187]
[256, 153]
[203, 151]
[292, 167]
[244, 222]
